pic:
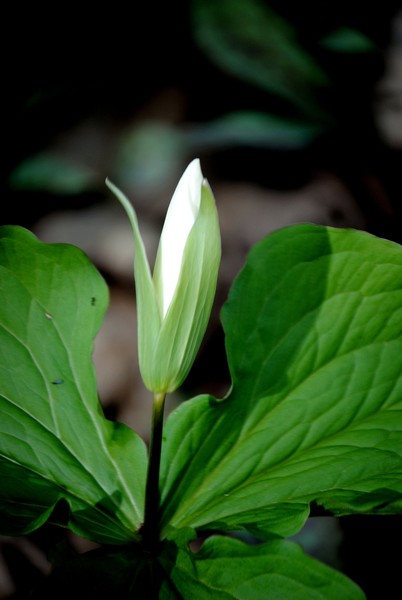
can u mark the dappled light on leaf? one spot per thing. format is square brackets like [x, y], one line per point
[314, 341]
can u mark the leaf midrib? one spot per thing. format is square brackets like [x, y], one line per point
[67, 491]
[239, 440]
[56, 434]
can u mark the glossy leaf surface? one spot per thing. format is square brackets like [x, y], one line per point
[227, 569]
[55, 444]
[314, 342]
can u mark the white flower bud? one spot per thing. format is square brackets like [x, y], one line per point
[173, 307]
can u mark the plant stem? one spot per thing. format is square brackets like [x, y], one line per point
[151, 519]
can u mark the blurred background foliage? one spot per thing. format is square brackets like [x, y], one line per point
[270, 95]
[266, 91]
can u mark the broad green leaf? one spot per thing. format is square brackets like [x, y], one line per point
[55, 443]
[223, 569]
[314, 342]
[226, 569]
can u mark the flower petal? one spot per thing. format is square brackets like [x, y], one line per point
[180, 218]
[184, 326]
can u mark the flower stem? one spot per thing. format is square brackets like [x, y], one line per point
[151, 519]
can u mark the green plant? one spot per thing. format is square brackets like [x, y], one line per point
[313, 329]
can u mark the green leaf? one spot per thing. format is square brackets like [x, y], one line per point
[314, 342]
[227, 569]
[223, 569]
[55, 443]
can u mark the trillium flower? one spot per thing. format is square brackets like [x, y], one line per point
[174, 305]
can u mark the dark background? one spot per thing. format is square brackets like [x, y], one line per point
[64, 65]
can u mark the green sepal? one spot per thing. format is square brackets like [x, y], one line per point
[148, 314]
